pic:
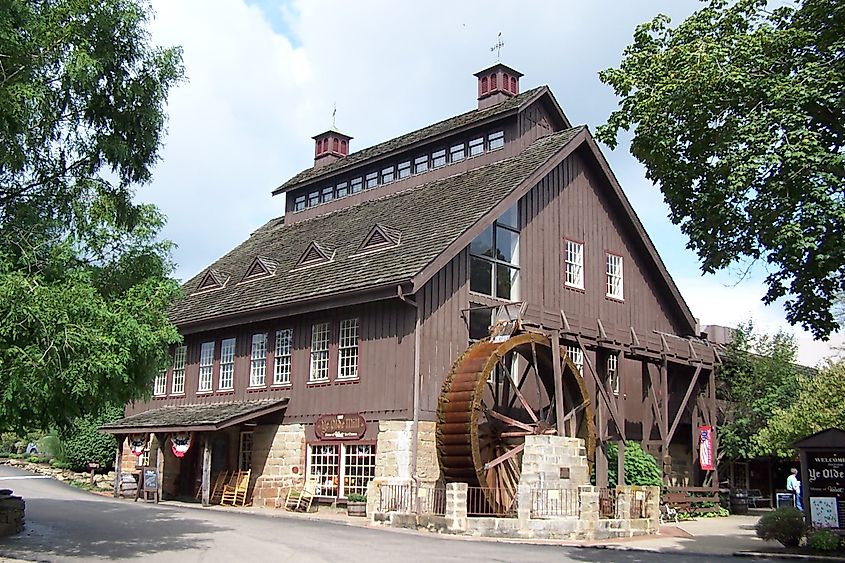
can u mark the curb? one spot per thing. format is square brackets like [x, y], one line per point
[791, 556]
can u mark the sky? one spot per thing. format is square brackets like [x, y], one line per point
[264, 76]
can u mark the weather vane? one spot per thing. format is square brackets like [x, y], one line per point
[498, 47]
[334, 115]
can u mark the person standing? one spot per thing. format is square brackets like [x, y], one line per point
[793, 485]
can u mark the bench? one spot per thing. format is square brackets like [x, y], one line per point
[691, 499]
[757, 500]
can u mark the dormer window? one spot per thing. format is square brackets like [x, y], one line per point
[212, 280]
[404, 169]
[260, 267]
[342, 189]
[372, 180]
[476, 146]
[313, 199]
[313, 255]
[496, 140]
[438, 158]
[421, 164]
[380, 237]
[299, 203]
[457, 153]
[356, 185]
[387, 175]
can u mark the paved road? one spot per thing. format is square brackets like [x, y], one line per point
[65, 524]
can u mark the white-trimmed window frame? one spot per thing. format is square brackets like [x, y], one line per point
[573, 270]
[615, 276]
[350, 465]
[347, 349]
[160, 384]
[319, 369]
[205, 381]
[282, 356]
[180, 355]
[577, 356]
[613, 372]
[226, 378]
[258, 360]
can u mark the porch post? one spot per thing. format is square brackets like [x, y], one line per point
[206, 470]
[118, 458]
[162, 443]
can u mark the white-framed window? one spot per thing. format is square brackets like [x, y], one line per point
[613, 372]
[371, 180]
[577, 356]
[282, 357]
[356, 185]
[258, 360]
[347, 350]
[494, 259]
[438, 158]
[496, 140]
[160, 383]
[404, 169]
[388, 175]
[574, 267]
[319, 352]
[457, 152]
[299, 203]
[614, 276]
[476, 146]
[245, 451]
[206, 367]
[227, 364]
[143, 460]
[421, 164]
[339, 470]
[178, 387]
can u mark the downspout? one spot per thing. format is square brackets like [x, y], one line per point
[416, 424]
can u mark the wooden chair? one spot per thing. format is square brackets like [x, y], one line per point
[235, 492]
[300, 499]
[217, 490]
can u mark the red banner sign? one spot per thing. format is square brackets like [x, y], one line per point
[705, 448]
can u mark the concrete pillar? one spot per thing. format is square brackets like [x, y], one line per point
[523, 507]
[652, 508]
[456, 506]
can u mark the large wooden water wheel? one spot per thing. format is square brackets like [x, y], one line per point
[496, 394]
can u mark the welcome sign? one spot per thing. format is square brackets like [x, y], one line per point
[340, 427]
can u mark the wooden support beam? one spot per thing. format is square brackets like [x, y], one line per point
[206, 469]
[684, 402]
[655, 401]
[554, 341]
[118, 458]
[714, 417]
[620, 408]
[162, 442]
[601, 387]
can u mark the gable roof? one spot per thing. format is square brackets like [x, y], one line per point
[443, 127]
[430, 217]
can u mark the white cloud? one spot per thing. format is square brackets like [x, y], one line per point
[243, 122]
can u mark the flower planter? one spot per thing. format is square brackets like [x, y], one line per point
[356, 508]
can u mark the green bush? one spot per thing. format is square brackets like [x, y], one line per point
[83, 442]
[5, 454]
[355, 497]
[58, 464]
[785, 525]
[640, 467]
[823, 540]
[50, 445]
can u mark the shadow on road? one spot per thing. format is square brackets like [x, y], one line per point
[111, 530]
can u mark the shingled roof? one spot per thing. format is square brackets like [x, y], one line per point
[202, 417]
[403, 141]
[430, 217]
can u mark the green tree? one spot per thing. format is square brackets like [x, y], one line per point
[640, 467]
[758, 376]
[84, 279]
[820, 405]
[82, 442]
[738, 114]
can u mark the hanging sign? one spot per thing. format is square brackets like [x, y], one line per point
[137, 444]
[180, 443]
[705, 448]
[340, 427]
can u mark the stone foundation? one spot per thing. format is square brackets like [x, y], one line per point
[278, 458]
[555, 462]
[11, 513]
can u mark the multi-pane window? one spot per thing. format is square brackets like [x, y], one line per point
[356, 185]
[339, 470]
[258, 360]
[371, 180]
[404, 169]
[319, 352]
[421, 164]
[282, 357]
[227, 364]
[496, 140]
[245, 451]
[438, 158]
[387, 175]
[178, 387]
[299, 203]
[206, 364]
[614, 276]
[494, 259]
[342, 189]
[457, 153]
[476, 146]
[613, 372]
[328, 194]
[160, 383]
[143, 460]
[574, 275]
[348, 349]
[577, 356]
[313, 199]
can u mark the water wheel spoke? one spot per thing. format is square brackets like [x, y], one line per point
[504, 457]
[522, 379]
[525, 404]
[511, 421]
[537, 373]
[551, 411]
[515, 434]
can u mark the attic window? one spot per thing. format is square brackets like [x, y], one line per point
[212, 280]
[261, 267]
[380, 236]
[313, 255]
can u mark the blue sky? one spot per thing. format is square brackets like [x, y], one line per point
[264, 76]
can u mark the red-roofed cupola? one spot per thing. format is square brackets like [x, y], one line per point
[330, 146]
[496, 84]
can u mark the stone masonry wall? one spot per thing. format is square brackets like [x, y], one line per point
[393, 451]
[278, 462]
[11, 513]
[545, 456]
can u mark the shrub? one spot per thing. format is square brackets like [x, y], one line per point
[34, 459]
[5, 454]
[59, 464]
[823, 540]
[785, 525]
[83, 442]
[640, 467]
[355, 497]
